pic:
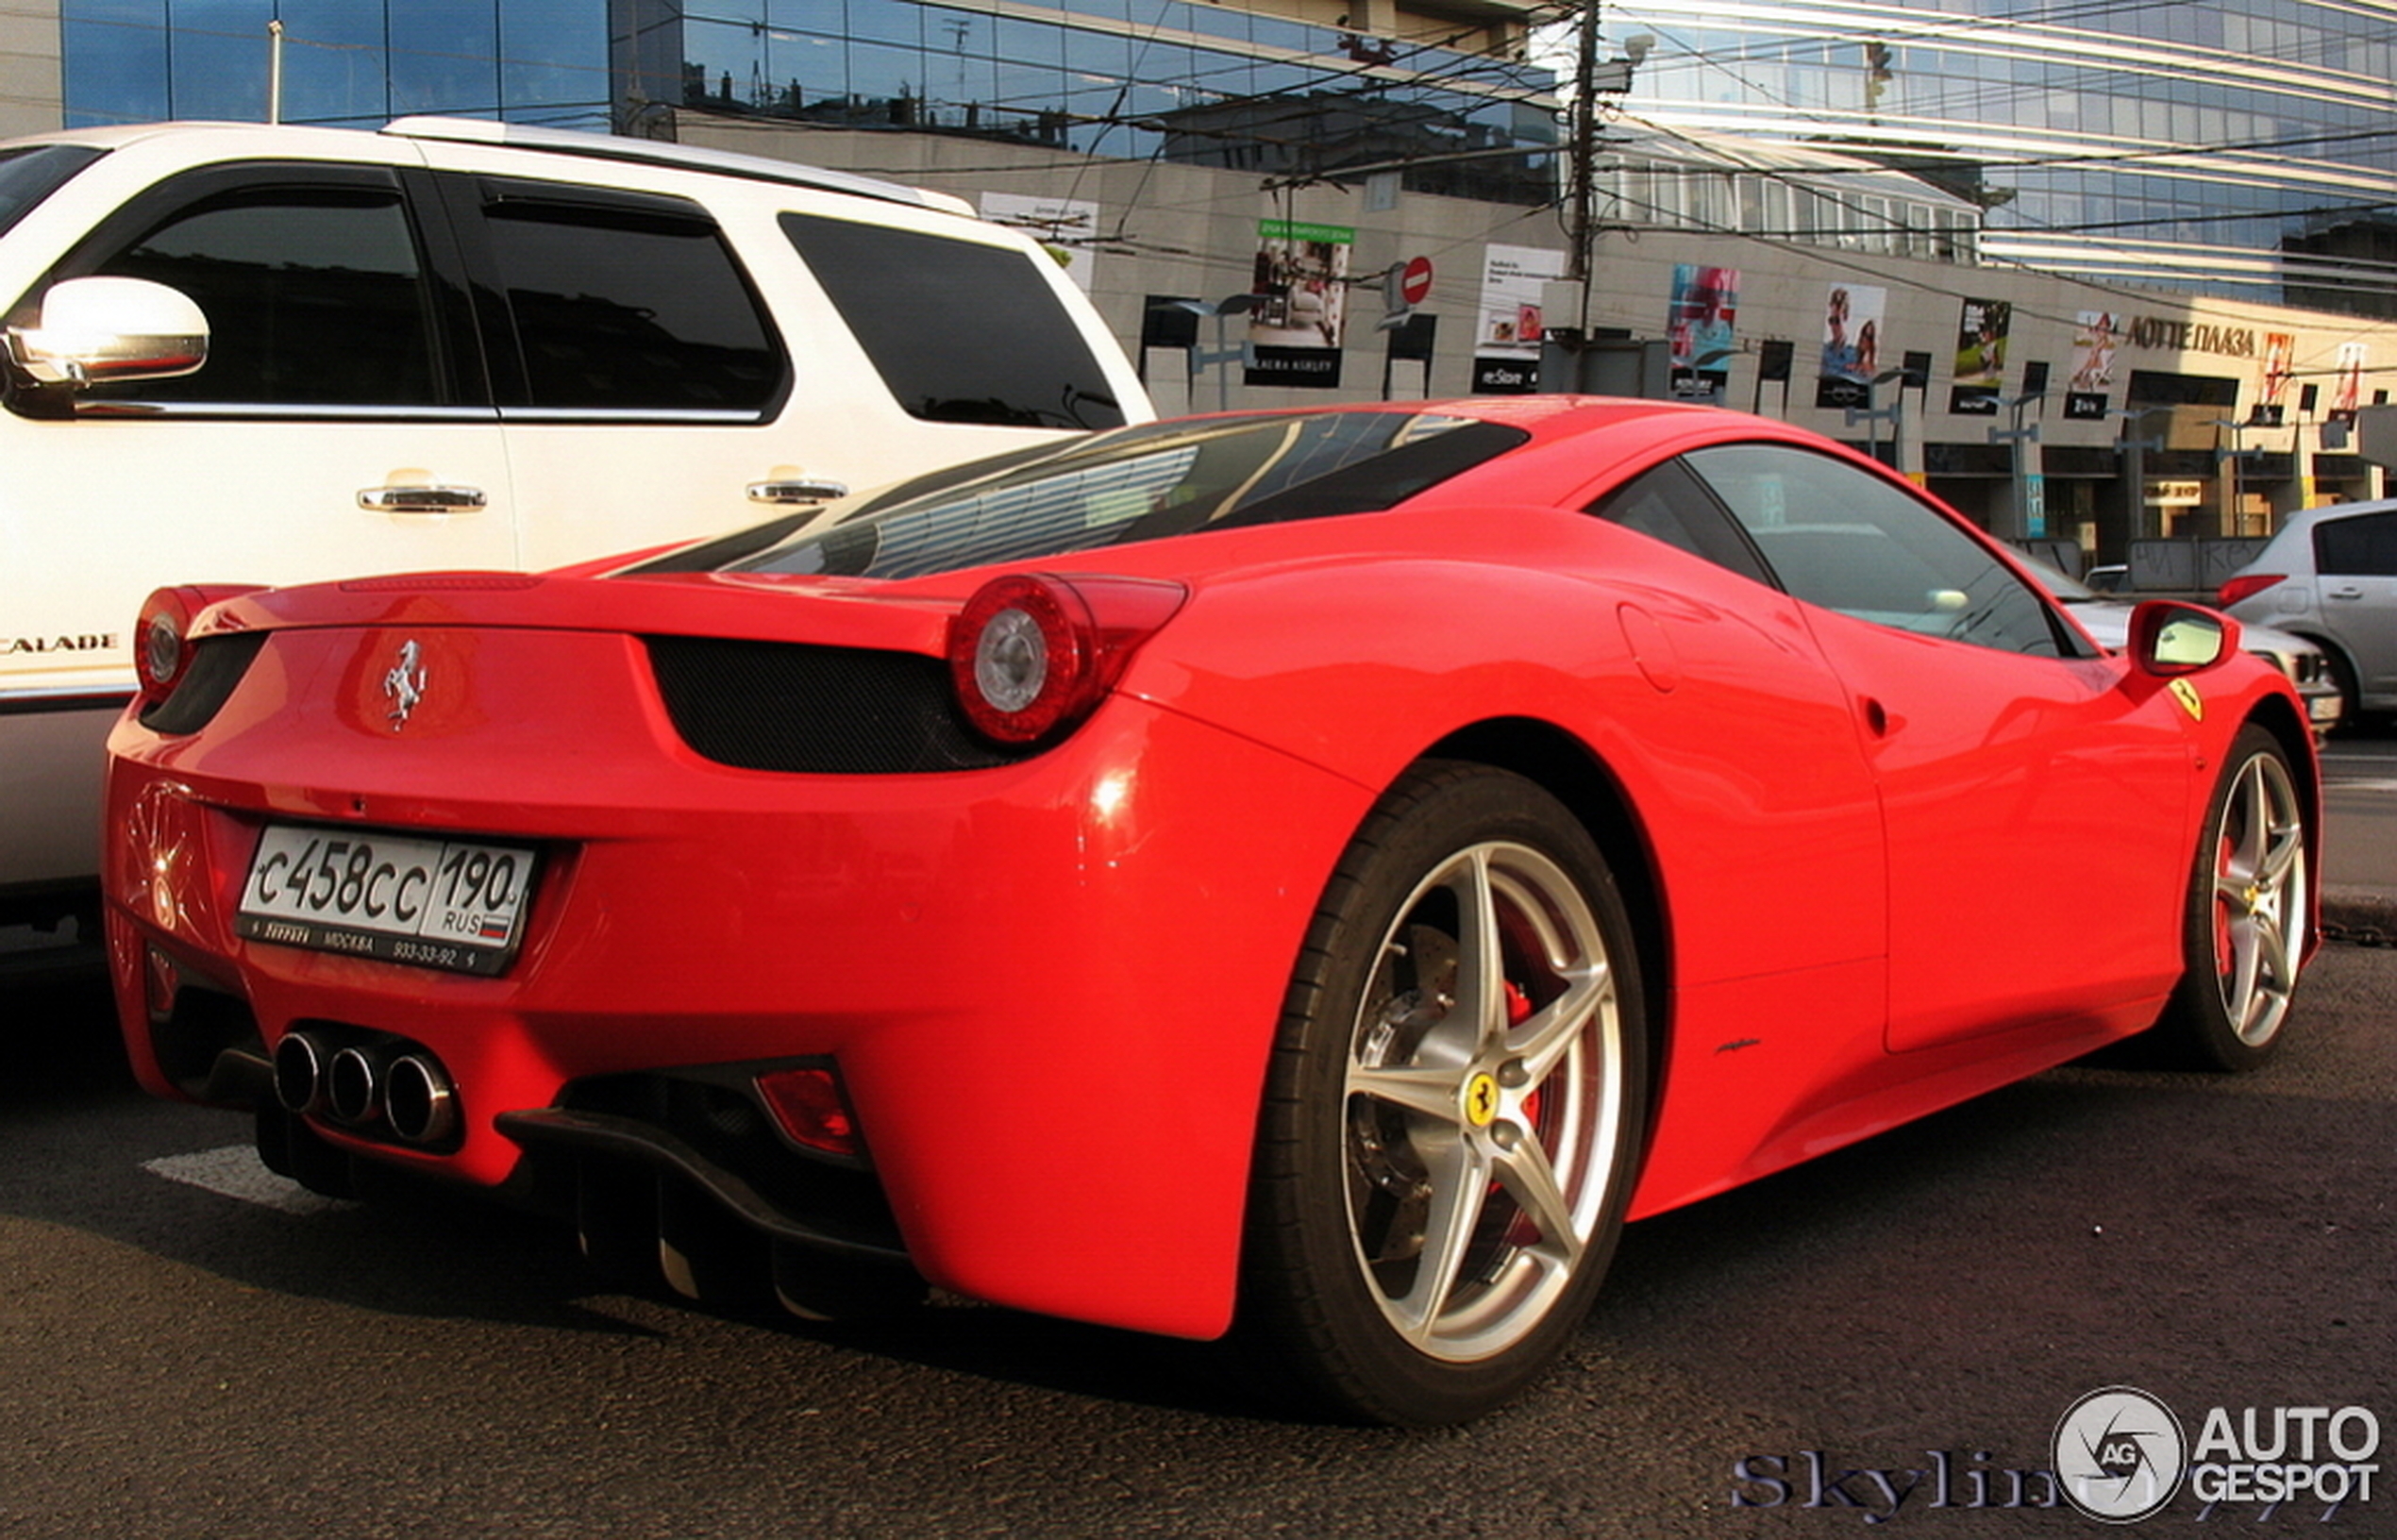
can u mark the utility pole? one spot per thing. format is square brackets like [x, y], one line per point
[1583, 191]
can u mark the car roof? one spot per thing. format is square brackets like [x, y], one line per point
[515, 136]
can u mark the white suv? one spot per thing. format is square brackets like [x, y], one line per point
[2330, 576]
[266, 355]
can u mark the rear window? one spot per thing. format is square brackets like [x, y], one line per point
[1144, 483]
[31, 175]
[960, 331]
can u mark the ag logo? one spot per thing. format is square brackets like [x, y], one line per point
[2119, 1454]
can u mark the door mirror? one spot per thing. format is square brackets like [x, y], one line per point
[95, 330]
[2169, 639]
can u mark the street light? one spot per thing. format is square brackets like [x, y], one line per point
[1869, 415]
[2030, 478]
[2134, 450]
[1222, 353]
[2231, 518]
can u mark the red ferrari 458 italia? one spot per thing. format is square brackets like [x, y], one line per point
[1299, 876]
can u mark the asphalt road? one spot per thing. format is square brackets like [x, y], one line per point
[189, 1348]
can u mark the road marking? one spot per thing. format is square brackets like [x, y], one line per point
[236, 1172]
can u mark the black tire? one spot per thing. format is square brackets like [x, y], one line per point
[2243, 923]
[1438, 1191]
[2351, 693]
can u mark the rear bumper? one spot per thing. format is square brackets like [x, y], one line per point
[1050, 989]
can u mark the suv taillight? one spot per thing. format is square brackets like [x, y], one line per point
[2246, 587]
[1031, 654]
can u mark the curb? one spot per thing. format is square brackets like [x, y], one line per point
[2359, 909]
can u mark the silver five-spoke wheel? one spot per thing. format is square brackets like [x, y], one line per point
[2245, 924]
[1481, 1102]
[1456, 1094]
[2259, 898]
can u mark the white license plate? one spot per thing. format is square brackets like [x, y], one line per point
[455, 904]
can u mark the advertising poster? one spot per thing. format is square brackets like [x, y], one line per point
[2346, 393]
[1981, 338]
[1066, 228]
[1852, 345]
[1701, 326]
[1301, 305]
[2272, 396]
[2094, 344]
[1506, 341]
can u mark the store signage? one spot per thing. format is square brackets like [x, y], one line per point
[2149, 331]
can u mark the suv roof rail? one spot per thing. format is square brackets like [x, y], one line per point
[663, 153]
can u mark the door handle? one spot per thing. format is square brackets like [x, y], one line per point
[422, 499]
[802, 490]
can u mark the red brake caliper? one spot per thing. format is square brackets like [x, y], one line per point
[1518, 1010]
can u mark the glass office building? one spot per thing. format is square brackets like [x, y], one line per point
[2241, 148]
[1188, 79]
[343, 61]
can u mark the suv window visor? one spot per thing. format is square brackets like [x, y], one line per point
[1146, 483]
[503, 197]
[29, 175]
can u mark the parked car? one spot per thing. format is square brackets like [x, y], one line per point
[1303, 874]
[2330, 576]
[2307, 666]
[280, 354]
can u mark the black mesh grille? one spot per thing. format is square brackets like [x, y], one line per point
[824, 710]
[217, 665]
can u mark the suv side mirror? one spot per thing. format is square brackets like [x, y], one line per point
[2169, 639]
[93, 331]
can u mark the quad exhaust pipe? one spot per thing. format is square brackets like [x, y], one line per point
[405, 1089]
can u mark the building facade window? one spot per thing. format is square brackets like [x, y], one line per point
[346, 62]
[2246, 139]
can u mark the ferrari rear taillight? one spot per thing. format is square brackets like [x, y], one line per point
[807, 1105]
[161, 647]
[1031, 654]
[2246, 587]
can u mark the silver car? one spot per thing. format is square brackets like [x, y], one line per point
[2330, 576]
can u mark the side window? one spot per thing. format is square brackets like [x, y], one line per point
[315, 296]
[2358, 547]
[1670, 504]
[629, 304]
[1844, 540]
[960, 331]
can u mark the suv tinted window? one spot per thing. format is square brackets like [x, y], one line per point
[314, 297]
[631, 306]
[1847, 540]
[961, 332]
[32, 174]
[2357, 547]
[1144, 483]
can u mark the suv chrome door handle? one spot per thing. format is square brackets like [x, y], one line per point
[422, 499]
[809, 491]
